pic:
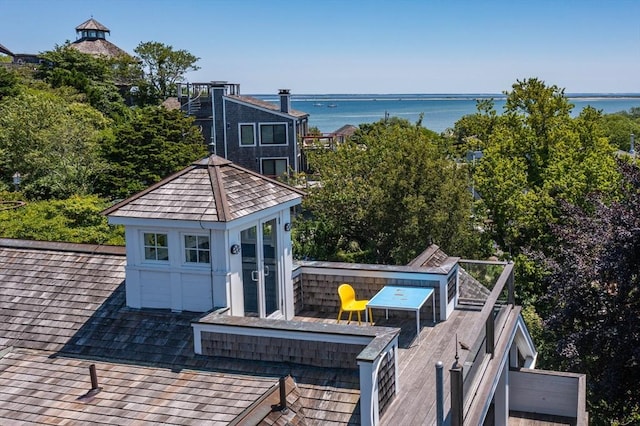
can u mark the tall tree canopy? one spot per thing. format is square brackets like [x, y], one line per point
[536, 155]
[162, 67]
[384, 197]
[594, 298]
[153, 144]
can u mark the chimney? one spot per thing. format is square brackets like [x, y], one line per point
[285, 100]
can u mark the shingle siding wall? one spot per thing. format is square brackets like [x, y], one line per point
[249, 156]
[256, 348]
[386, 381]
[319, 293]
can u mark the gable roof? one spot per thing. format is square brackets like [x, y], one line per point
[92, 24]
[250, 100]
[210, 190]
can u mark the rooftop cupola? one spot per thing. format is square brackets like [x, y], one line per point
[91, 30]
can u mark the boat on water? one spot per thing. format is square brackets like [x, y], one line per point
[332, 106]
[317, 104]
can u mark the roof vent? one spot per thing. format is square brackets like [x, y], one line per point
[95, 389]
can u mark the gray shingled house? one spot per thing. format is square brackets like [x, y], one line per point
[255, 134]
[204, 319]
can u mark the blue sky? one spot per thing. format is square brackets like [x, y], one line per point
[351, 46]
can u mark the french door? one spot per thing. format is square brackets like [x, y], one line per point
[260, 269]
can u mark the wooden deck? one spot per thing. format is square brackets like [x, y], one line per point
[416, 400]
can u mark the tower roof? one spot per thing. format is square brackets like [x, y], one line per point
[210, 190]
[92, 24]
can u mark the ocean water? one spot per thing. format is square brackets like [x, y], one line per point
[330, 112]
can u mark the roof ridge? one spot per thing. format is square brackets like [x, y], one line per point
[219, 194]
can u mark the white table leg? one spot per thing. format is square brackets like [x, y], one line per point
[418, 323]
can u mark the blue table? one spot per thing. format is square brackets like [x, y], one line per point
[404, 299]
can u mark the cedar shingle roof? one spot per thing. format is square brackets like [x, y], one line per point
[98, 47]
[62, 308]
[92, 24]
[210, 190]
[267, 105]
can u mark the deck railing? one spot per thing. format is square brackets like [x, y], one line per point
[466, 376]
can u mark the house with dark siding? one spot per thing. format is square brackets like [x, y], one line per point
[255, 134]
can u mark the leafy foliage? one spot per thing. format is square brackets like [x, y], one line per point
[594, 284]
[94, 77]
[162, 67]
[52, 142]
[153, 144]
[385, 196]
[536, 155]
[76, 219]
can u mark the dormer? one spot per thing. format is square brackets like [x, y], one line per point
[214, 235]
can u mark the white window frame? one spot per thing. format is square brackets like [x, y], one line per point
[240, 134]
[184, 249]
[144, 246]
[273, 158]
[286, 133]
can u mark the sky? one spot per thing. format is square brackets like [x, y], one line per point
[353, 46]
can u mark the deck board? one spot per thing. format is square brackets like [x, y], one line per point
[417, 362]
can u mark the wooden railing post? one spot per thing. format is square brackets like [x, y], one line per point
[490, 333]
[511, 287]
[457, 394]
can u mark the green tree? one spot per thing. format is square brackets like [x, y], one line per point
[93, 77]
[536, 155]
[384, 197]
[618, 127]
[153, 144]
[594, 288]
[162, 67]
[51, 142]
[76, 219]
[8, 83]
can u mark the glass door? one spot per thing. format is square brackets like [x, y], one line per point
[260, 270]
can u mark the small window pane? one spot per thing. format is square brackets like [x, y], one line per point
[190, 241]
[246, 134]
[162, 240]
[196, 249]
[203, 257]
[163, 254]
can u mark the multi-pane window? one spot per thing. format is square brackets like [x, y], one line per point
[156, 246]
[247, 134]
[274, 166]
[273, 134]
[197, 249]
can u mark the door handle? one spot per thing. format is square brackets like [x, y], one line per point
[254, 275]
[266, 270]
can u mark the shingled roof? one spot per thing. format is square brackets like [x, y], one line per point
[62, 309]
[92, 24]
[98, 47]
[266, 105]
[210, 190]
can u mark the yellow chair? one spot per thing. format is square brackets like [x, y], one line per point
[348, 303]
